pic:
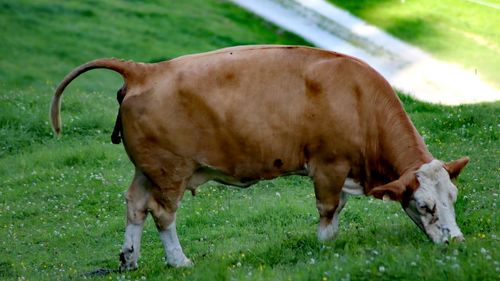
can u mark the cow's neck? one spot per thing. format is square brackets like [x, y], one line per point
[400, 149]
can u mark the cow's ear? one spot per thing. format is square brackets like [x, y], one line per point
[454, 167]
[394, 190]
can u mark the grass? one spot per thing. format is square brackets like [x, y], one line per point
[61, 200]
[461, 32]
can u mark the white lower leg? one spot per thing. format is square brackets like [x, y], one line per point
[173, 249]
[328, 232]
[131, 247]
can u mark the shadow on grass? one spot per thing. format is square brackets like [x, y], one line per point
[361, 6]
[414, 28]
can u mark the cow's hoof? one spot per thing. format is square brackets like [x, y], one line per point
[176, 258]
[185, 263]
[327, 232]
[180, 262]
[128, 267]
[127, 260]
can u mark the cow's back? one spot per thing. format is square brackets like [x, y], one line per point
[253, 112]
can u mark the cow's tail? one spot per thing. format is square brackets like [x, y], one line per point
[128, 70]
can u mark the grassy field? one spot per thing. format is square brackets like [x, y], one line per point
[464, 32]
[62, 211]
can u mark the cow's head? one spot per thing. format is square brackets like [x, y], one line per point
[430, 205]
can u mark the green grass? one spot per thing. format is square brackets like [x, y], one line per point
[457, 31]
[61, 201]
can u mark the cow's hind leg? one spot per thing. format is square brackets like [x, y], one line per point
[169, 175]
[328, 181]
[137, 198]
[163, 208]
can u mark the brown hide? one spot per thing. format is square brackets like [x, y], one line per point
[262, 111]
[242, 114]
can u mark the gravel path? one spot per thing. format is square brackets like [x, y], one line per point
[406, 67]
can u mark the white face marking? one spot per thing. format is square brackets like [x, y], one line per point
[173, 249]
[431, 206]
[329, 231]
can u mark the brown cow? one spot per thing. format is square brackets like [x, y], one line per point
[242, 114]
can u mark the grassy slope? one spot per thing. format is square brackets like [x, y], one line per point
[457, 31]
[61, 202]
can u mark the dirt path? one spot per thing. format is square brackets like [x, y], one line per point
[406, 67]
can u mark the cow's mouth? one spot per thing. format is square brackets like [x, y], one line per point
[442, 237]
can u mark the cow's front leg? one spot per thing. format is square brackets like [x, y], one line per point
[137, 197]
[164, 212]
[328, 227]
[328, 182]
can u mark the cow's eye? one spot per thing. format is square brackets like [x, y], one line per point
[426, 209]
[430, 210]
[421, 207]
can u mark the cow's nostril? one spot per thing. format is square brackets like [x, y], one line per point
[459, 238]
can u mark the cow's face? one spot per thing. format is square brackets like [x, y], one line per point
[427, 197]
[431, 205]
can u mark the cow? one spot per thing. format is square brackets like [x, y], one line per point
[242, 114]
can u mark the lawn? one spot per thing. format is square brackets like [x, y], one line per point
[464, 32]
[62, 212]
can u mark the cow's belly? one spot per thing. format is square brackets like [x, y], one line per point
[205, 174]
